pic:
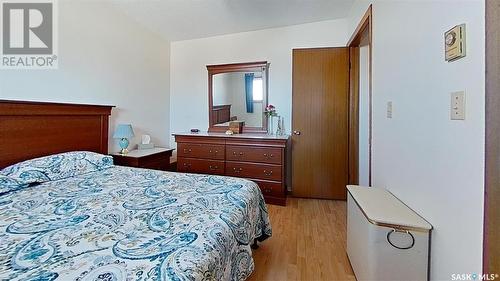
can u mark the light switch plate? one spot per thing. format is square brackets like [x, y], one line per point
[457, 106]
[389, 109]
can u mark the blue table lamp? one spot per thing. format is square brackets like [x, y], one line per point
[123, 132]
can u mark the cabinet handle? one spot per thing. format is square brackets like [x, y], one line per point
[268, 155]
[268, 173]
[237, 170]
[213, 168]
[187, 150]
[215, 152]
[235, 154]
[268, 190]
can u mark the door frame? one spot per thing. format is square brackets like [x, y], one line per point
[491, 244]
[362, 36]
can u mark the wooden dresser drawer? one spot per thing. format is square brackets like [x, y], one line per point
[253, 171]
[200, 166]
[269, 155]
[270, 188]
[256, 157]
[201, 150]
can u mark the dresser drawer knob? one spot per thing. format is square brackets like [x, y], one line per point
[268, 155]
[213, 168]
[237, 170]
[186, 150]
[268, 190]
[187, 165]
[212, 151]
[268, 173]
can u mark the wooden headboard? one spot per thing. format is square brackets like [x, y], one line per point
[221, 113]
[33, 129]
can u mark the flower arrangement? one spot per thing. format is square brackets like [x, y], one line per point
[270, 111]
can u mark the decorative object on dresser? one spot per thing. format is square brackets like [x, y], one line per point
[157, 158]
[270, 112]
[258, 157]
[236, 126]
[123, 132]
[281, 126]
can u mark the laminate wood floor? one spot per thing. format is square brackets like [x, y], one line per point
[308, 243]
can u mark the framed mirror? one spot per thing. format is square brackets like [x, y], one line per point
[238, 92]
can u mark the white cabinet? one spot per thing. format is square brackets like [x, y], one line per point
[386, 240]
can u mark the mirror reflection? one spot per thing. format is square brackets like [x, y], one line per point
[239, 96]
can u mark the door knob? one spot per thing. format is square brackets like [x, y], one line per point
[296, 133]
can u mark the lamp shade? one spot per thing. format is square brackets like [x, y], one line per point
[123, 131]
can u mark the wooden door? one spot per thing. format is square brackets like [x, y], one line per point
[491, 254]
[320, 123]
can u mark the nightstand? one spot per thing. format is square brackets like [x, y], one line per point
[157, 158]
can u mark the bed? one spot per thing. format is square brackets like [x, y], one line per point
[221, 113]
[76, 216]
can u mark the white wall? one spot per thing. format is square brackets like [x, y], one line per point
[188, 88]
[221, 84]
[433, 164]
[104, 58]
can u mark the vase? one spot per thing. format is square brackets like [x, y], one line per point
[270, 125]
[279, 130]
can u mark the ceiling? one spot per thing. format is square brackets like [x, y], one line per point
[188, 19]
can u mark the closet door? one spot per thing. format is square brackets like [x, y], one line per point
[320, 123]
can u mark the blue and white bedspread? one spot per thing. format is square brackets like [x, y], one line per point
[132, 224]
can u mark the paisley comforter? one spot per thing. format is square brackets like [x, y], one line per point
[132, 224]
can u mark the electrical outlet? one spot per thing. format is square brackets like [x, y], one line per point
[389, 109]
[457, 106]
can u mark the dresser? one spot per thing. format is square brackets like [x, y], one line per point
[257, 157]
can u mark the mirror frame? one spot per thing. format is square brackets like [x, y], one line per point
[262, 66]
